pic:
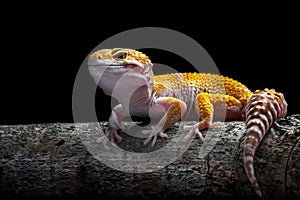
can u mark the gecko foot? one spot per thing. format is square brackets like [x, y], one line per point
[109, 137]
[154, 132]
[195, 130]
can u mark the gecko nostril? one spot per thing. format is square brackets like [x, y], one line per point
[99, 57]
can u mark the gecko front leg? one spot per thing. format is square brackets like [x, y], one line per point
[174, 108]
[118, 113]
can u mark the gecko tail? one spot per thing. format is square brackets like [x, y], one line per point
[261, 111]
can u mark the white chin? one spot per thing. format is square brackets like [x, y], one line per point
[96, 72]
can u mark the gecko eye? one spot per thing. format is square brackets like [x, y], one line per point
[121, 55]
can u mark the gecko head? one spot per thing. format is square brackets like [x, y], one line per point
[108, 66]
[120, 60]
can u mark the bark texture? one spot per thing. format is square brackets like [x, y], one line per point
[63, 161]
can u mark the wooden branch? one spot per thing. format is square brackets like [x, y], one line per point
[62, 161]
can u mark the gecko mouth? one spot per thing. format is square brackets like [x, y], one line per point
[111, 68]
[127, 66]
[116, 67]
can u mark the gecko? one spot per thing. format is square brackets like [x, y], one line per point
[127, 75]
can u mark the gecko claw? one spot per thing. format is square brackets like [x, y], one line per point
[153, 141]
[197, 132]
[118, 137]
[162, 135]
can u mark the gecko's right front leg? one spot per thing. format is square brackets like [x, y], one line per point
[118, 113]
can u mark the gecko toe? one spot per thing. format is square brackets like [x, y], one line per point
[101, 139]
[215, 124]
[187, 127]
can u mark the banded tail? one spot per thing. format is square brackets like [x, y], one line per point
[261, 111]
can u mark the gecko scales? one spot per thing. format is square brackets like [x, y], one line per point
[127, 75]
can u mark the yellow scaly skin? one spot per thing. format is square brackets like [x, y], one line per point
[170, 96]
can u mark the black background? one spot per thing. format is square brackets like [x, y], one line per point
[43, 51]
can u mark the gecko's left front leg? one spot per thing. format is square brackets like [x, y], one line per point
[118, 113]
[175, 108]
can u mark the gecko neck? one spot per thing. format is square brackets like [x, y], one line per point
[129, 88]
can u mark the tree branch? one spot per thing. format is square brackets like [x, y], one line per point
[62, 161]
